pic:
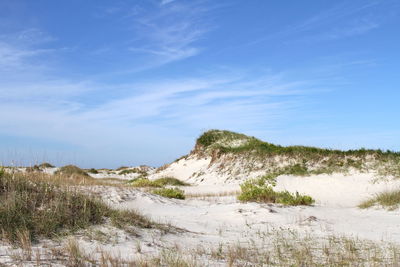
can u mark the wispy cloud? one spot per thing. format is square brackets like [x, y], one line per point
[170, 33]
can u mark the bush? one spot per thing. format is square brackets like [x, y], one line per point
[170, 193]
[261, 190]
[71, 170]
[46, 210]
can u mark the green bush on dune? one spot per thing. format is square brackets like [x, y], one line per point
[262, 190]
[170, 193]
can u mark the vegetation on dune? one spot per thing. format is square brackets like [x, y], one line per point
[134, 170]
[46, 165]
[307, 160]
[71, 170]
[44, 209]
[170, 193]
[170, 181]
[160, 182]
[262, 190]
[220, 140]
[93, 170]
[388, 199]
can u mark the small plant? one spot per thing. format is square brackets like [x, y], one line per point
[170, 193]
[71, 170]
[388, 199]
[262, 190]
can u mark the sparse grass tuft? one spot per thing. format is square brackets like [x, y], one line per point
[170, 193]
[388, 199]
[71, 170]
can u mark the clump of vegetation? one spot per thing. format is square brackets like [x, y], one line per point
[121, 168]
[161, 182]
[44, 209]
[170, 181]
[93, 170]
[71, 170]
[144, 182]
[134, 170]
[46, 165]
[262, 190]
[34, 168]
[388, 199]
[217, 143]
[170, 193]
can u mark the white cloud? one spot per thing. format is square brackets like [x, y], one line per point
[170, 33]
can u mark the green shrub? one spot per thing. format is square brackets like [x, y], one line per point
[262, 190]
[170, 193]
[71, 170]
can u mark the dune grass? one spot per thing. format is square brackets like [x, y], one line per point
[170, 193]
[262, 190]
[71, 170]
[388, 199]
[160, 182]
[45, 209]
[310, 160]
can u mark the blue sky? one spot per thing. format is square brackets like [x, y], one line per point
[110, 83]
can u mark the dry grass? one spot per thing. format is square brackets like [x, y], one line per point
[272, 248]
[44, 207]
[388, 199]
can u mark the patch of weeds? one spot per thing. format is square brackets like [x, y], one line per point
[170, 193]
